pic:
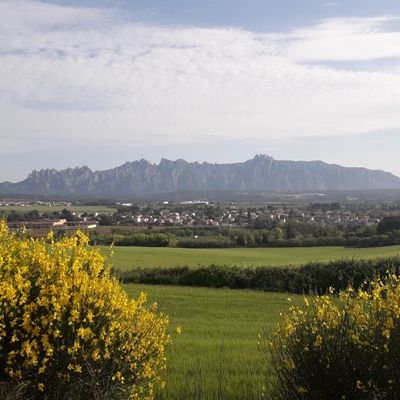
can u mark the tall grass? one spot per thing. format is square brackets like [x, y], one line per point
[127, 258]
[216, 356]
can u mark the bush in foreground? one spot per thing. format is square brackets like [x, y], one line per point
[68, 330]
[344, 347]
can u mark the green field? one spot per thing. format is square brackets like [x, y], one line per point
[133, 257]
[77, 209]
[216, 356]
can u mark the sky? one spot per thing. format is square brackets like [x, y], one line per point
[99, 83]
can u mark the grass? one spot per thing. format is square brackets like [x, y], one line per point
[127, 258]
[216, 356]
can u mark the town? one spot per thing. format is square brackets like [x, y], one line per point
[336, 223]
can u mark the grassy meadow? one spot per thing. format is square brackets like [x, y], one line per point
[127, 258]
[216, 355]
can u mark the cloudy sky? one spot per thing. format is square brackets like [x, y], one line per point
[98, 83]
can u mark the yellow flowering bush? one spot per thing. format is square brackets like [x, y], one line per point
[67, 328]
[338, 347]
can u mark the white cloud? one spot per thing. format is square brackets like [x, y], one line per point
[85, 76]
[343, 39]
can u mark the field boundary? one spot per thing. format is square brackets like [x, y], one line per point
[313, 277]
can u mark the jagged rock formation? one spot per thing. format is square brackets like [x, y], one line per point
[262, 173]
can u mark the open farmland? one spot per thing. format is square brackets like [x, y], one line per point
[47, 208]
[216, 356]
[127, 258]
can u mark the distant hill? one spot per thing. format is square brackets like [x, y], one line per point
[138, 178]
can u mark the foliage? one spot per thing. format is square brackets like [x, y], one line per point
[145, 239]
[308, 278]
[135, 239]
[389, 224]
[338, 348]
[67, 328]
[289, 236]
[205, 242]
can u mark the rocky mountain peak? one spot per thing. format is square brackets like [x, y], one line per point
[262, 173]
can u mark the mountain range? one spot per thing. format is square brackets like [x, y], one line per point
[138, 178]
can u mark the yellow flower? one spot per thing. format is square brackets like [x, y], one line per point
[301, 390]
[59, 305]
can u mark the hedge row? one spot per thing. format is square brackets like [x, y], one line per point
[137, 239]
[243, 240]
[311, 277]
